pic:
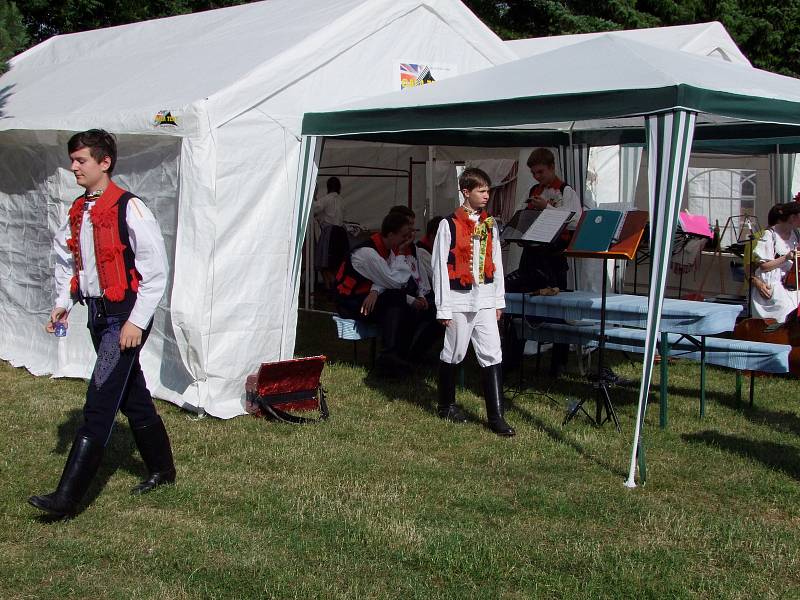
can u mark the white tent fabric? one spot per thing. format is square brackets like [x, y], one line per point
[705, 39]
[605, 88]
[781, 167]
[208, 108]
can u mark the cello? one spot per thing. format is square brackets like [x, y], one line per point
[754, 329]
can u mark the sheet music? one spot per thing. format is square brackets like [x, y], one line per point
[618, 230]
[547, 226]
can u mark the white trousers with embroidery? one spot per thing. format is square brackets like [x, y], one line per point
[481, 328]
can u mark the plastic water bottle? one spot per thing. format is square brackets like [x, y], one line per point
[59, 329]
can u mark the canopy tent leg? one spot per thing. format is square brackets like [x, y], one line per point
[781, 170]
[669, 143]
[310, 154]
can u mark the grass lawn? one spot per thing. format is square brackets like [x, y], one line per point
[386, 501]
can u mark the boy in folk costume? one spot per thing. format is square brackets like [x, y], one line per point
[111, 256]
[371, 289]
[470, 298]
[546, 266]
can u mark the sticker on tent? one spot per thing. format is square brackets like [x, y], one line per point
[165, 118]
[412, 75]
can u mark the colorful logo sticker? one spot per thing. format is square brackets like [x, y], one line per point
[165, 118]
[413, 75]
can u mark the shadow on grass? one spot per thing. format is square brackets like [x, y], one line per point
[781, 457]
[782, 421]
[401, 388]
[558, 436]
[121, 453]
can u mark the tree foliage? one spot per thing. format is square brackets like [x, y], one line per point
[767, 31]
[13, 37]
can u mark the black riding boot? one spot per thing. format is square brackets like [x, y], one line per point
[493, 392]
[447, 409]
[82, 464]
[153, 444]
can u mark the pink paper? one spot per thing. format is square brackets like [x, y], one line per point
[695, 224]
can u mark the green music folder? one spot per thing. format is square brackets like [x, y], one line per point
[596, 231]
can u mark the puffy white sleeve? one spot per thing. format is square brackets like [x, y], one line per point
[499, 276]
[64, 268]
[371, 265]
[151, 261]
[571, 201]
[441, 280]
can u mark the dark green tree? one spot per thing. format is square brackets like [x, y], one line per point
[13, 36]
[766, 31]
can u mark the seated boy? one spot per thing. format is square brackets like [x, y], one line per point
[368, 288]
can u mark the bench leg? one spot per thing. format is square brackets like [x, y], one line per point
[738, 389]
[702, 377]
[752, 387]
[373, 352]
[355, 352]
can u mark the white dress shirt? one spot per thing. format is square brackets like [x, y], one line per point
[150, 253]
[377, 269]
[481, 295]
[328, 209]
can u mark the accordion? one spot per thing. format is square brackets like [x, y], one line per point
[281, 388]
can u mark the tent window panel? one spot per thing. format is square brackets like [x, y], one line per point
[723, 195]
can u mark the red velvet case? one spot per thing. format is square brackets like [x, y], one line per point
[288, 385]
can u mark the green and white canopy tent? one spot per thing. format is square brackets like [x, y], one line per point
[607, 90]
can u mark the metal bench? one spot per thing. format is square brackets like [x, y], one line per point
[724, 352]
[356, 331]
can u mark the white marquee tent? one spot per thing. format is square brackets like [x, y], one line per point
[207, 108]
[606, 90]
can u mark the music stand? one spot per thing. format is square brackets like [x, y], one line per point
[532, 227]
[622, 247]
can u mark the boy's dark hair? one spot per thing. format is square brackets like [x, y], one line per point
[392, 223]
[334, 185]
[433, 226]
[541, 156]
[401, 209]
[472, 177]
[99, 142]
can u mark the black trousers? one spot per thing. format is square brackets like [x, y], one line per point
[117, 381]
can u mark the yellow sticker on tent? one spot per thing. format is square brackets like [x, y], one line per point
[164, 117]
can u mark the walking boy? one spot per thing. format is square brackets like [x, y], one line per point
[110, 255]
[470, 298]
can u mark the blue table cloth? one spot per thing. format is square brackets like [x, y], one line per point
[677, 316]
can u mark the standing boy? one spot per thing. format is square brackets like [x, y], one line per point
[470, 298]
[332, 245]
[546, 265]
[111, 256]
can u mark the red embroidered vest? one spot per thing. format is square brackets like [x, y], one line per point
[116, 269]
[350, 282]
[459, 259]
